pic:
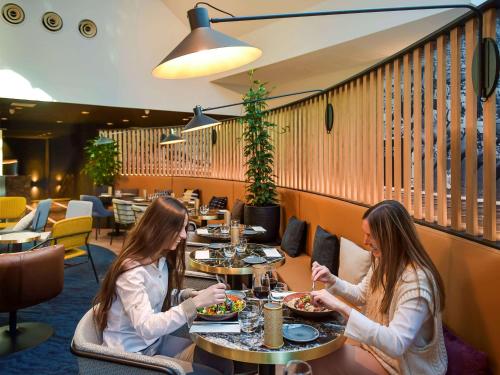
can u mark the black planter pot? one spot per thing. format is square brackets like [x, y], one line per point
[267, 217]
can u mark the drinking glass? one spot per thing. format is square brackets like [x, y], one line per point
[249, 324]
[204, 209]
[277, 292]
[260, 283]
[224, 229]
[241, 246]
[297, 367]
[273, 277]
[229, 251]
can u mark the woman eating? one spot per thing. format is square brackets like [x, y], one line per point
[148, 272]
[399, 330]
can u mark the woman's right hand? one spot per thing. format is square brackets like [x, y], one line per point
[212, 295]
[322, 273]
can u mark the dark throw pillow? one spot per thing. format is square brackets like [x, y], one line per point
[326, 250]
[237, 210]
[293, 238]
[218, 203]
[462, 357]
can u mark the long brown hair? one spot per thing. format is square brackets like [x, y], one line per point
[158, 228]
[394, 231]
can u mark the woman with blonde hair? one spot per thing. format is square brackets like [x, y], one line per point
[146, 276]
[399, 330]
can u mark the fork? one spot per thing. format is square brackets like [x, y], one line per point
[219, 280]
[312, 289]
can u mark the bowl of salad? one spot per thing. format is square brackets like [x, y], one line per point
[222, 311]
[301, 304]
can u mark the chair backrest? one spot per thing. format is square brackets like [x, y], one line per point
[123, 212]
[12, 208]
[72, 232]
[78, 208]
[41, 215]
[30, 277]
[138, 211]
[98, 208]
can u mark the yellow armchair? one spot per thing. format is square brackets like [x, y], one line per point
[11, 209]
[73, 233]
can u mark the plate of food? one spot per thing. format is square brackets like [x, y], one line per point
[301, 304]
[222, 311]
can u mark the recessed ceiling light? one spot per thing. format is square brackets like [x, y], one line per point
[59, 121]
[125, 120]
[109, 123]
[85, 112]
[19, 108]
[4, 118]
[185, 119]
[144, 116]
[25, 105]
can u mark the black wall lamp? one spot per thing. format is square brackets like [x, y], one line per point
[202, 121]
[205, 51]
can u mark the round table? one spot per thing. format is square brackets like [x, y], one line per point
[229, 345]
[214, 233]
[203, 218]
[16, 239]
[233, 267]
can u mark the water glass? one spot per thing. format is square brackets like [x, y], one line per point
[229, 251]
[241, 246]
[224, 229]
[204, 209]
[297, 367]
[277, 292]
[249, 320]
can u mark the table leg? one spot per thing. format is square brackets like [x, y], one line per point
[267, 369]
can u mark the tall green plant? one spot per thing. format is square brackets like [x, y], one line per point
[102, 164]
[259, 151]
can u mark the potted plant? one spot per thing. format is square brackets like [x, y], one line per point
[262, 207]
[101, 162]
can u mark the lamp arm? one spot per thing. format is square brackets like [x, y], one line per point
[476, 10]
[260, 100]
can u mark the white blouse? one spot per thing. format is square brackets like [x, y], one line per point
[412, 321]
[135, 319]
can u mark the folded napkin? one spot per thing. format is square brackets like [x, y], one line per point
[202, 254]
[202, 231]
[258, 229]
[271, 252]
[215, 328]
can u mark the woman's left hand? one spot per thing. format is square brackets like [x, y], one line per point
[194, 293]
[324, 298]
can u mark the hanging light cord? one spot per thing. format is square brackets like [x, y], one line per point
[211, 6]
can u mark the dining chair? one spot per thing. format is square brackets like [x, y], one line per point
[79, 208]
[99, 212]
[35, 221]
[74, 233]
[124, 216]
[138, 211]
[11, 209]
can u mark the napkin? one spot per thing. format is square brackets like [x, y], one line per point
[271, 252]
[215, 328]
[202, 231]
[258, 229]
[44, 235]
[202, 254]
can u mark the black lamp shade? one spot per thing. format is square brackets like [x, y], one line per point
[199, 121]
[103, 141]
[170, 139]
[204, 51]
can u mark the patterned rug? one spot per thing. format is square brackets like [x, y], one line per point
[63, 314]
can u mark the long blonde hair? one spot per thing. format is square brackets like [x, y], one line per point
[159, 227]
[394, 231]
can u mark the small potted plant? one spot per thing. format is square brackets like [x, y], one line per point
[262, 207]
[102, 164]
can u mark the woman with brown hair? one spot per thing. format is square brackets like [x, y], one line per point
[402, 295]
[147, 273]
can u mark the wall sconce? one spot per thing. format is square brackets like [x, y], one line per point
[205, 51]
[329, 116]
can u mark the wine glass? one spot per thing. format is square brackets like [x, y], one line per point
[277, 292]
[273, 277]
[241, 247]
[224, 229]
[297, 367]
[229, 251]
[261, 285]
[204, 209]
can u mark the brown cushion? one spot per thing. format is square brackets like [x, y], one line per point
[237, 210]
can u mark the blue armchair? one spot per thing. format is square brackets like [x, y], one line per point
[98, 210]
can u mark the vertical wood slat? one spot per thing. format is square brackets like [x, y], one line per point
[372, 120]
[397, 131]
[407, 133]
[357, 142]
[429, 133]
[489, 144]
[442, 199]
[417, 134]
[388, 131]
[470, 132]
[380, 137]
[365, 133]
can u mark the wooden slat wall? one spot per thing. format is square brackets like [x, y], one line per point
[375, 151]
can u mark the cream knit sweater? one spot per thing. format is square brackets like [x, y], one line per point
[428, 359]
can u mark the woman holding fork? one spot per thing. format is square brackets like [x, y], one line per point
[399, 330]
[149, 270]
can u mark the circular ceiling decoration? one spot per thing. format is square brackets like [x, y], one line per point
[52, 21]
[13, 13]
[87, 28]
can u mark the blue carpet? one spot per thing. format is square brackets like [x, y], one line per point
[63, 314]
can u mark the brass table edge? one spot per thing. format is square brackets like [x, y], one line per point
[268, 357]
[228, 271]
